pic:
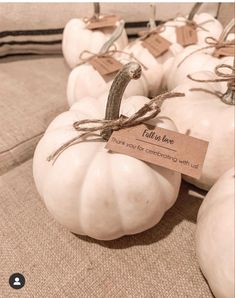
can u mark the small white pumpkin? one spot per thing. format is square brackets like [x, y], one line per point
[194, 59]
[215, 236]
[207, 117]
[84, 76]
[98, 193]
[77, 38]
[207, 25]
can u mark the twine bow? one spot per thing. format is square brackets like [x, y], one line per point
[212, 43]
[223, 77]
[153, 107]
[109, 53]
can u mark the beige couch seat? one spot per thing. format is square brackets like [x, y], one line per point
[32, 93]
[160, 262]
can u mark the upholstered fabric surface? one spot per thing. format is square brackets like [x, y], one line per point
[160, 262]
[32, 93]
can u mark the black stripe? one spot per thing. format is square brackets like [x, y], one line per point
[31, 32]
[28, 54]
[139, 24]
[60, 30]
[26, 42]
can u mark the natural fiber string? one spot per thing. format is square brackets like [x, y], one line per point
[159, 29]
[191, 23]
[153, 106]
[109, 53]
[223, 77]
[212, 43]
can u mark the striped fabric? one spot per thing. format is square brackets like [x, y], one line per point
[42, 41]
[46, 41]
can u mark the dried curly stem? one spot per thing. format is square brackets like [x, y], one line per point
[130, 71]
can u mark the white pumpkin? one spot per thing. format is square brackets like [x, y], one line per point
[98, 193]
[177, 72]
[215, 236]
[192, 60]
[207, 117]
[77, 38]
[212, 27]
[149, 84]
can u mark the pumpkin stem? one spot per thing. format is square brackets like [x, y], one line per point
[115, 35]
[151, 22]
[129, 71]
[218, 10]
[227, 30]
[229, 95]
[194, 10]
[96, 6]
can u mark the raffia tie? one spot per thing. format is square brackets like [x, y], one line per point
[109, 53]
[212, 43]
[157, 30]
[223, 77]
[147, 112]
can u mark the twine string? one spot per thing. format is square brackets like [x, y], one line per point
[212, 43]
[147, 112]
[222, 77]
[192, 24]
[109, 53]
[159, 29]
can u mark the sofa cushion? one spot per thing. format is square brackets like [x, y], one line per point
[160, 262]
[32, 93]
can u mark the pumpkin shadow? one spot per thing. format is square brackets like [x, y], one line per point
[185, 208]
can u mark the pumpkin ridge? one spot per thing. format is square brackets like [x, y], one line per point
[82, 189]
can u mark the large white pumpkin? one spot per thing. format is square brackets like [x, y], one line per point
[207, 117]
[95, 192]
[215, 236]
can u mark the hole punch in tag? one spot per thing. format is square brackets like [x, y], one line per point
[225, 51]
[103, 22]
[186, 35]
[162, 147]
[156, 44]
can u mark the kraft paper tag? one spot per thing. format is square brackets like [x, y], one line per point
[156, 44]
[163, 147]
[105, 65]
[103, 22]
[186, 35]
[225, 51]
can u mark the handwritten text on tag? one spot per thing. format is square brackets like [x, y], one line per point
[186, 35]
[156, 44]
[105, 65]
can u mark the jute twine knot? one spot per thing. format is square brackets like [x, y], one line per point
[147, 112]
[110, 53]
[223, 77]
[212, 43]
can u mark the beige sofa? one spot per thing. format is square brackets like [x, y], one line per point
[160, 262]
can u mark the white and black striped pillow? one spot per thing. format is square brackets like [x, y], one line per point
[45, 41]
[20, 42]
